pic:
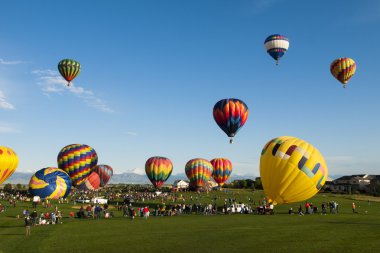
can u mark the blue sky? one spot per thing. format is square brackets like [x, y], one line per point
[153, 70]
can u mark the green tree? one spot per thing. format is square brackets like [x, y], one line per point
[8, 187]
[18, 186]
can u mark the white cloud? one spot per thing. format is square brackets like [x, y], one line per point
[7, 128]
[52, 83]
[4, 62]
[138, 171]
[131, 133]
[4, 104]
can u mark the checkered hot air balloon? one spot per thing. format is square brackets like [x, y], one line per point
[230, 115]
[77, 160]
[343, 69]
[158, 169]
[50, 183]
[69, 69]
[8, 163]
[276, 46]
[198, 171]
[105, 173]
[222, 170]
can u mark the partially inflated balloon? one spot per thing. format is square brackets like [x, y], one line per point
[77, 160]
[199, 172]
[69, 69]
[230, 115]
[92, 182]
[8, 163]
[343, 69]
[276, 46]
[222, 170]
[291, 170]
[50, 183]
[158, 169]
[105, 172]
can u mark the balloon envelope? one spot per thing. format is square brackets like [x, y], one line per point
[198, 171]
[77, 160]
[68, 69]
[291, 170]
[105, 173]
[158, 169]
[8, 163]
[50, 183]
[92, 182]
[230, 115]
[222, 170]
[343, 69]
[276, 45]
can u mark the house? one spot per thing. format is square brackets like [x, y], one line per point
[350, 184]
[180, 184]
[375, 184]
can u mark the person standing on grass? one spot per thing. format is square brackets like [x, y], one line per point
[353, 207]
[28, 224]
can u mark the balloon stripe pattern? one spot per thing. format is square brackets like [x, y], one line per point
[198, 171]
[230, 115]
[69, 69]
[92, 182]
[8, 163]
[291, 170]
[158, 169]
[50, 183]
[78, 160]
[276, 45]
[222, 170]
[343, 69]
[105, 173]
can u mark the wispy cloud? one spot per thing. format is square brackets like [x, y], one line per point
[4, 62]
[138, 171]
[367, 13]
[131, 133]
[4, 104]
[260, 6]
[8, 128]
[51, 82]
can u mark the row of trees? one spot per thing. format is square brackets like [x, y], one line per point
[245, 184]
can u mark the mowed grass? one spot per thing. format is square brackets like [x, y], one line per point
[343, 232]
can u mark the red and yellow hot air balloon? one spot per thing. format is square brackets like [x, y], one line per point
[92, 182]
[343, 69]
[158, 169]
[198, 171]
[222, 170]
[8, 163]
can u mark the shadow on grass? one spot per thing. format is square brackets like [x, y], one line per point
[13, 226]
[13, 234]
[352, 223]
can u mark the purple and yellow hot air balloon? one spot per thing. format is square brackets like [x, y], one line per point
[222, 170]
[8, 163]
[343, 69]
[198, 171]
[77, 160]
[105, 172]
[230, 115]
[158, 169]
[276, 46]
[92, 182]
[69, 69]
[50, 183]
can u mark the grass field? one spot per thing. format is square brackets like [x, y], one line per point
[342, 232]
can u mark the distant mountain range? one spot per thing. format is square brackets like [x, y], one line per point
[123, 178]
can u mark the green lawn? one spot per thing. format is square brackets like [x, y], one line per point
[343, 232]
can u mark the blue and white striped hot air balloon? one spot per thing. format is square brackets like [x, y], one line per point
[276, 46]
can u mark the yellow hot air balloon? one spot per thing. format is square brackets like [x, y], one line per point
[291, 170]
[343, 69]
[8, 163]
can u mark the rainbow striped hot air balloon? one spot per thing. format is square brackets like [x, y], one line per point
[50, 183]
[276, 46]
[69, 69]
[158, 169]
[105, 173]
[230, 114]
[78, 160]
[222, 170]
[343, 69]
[8, 163]
[92, 182]
[198, 171]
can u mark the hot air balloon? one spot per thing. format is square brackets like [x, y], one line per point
[92, 182]
[105, 172]
[69, 69]
[50, 183]
[77, 160]
[8, 163]
[291, 170]
[222, 170]
[230, 114]
[158, 169]
[199, 172]
[343, 69]
[276, 46]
